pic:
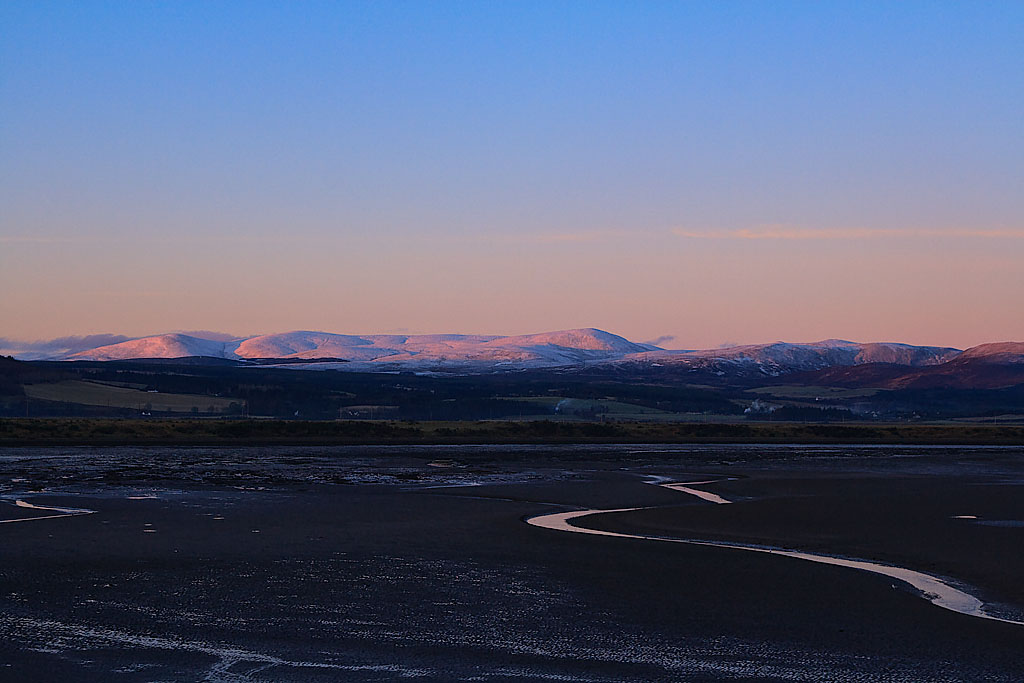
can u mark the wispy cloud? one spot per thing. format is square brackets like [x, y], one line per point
[787, 233]
[63, 346]
[57, 347]
[211, 335]
[663, 339]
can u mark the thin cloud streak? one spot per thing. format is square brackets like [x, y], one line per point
[44, 348]
[663, 339]
[845, 234]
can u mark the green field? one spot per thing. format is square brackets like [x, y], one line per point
[812, 392]
[98, 394]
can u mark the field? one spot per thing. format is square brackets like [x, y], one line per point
[812, 392]
[101, 394]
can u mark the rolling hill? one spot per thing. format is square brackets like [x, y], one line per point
[988, 366]
[778, 358]
[549, 349]
[832, 362]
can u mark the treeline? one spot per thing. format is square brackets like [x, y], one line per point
[20, 431]
[793, 413]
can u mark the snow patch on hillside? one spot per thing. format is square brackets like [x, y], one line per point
[548, 349]
[160, 346]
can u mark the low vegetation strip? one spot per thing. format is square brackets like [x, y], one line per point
[62, 431]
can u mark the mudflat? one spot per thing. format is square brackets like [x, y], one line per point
[376, 563]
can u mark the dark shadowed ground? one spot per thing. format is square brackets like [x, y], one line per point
[346, 563]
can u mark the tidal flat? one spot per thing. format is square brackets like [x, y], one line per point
[371, 563]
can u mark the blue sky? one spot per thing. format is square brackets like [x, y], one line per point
[383, 155]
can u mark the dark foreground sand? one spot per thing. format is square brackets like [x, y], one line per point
[344, 564]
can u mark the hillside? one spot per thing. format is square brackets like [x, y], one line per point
[769, 360]
[830, 362]
[988, 366]
[549, 349]
[563, 348]
[160, 346]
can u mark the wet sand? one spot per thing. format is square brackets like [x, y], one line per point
[329, 564]
[939, 591]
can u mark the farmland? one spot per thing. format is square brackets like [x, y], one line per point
[88, 393]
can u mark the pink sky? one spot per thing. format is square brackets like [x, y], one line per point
[918, 287]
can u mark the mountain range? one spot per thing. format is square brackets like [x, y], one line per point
[987, 366]
[549, 349]
[832, 362]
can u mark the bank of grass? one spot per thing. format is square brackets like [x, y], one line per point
[65, 431]
[101, 394]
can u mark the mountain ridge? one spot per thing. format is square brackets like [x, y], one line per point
[828, 362]
[545, 349]
[563, 347]
[783, 357]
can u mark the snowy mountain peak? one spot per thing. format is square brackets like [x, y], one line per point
[565, 347]
[587, 338]
[173, 345]
[546, 349]
[1000, 352]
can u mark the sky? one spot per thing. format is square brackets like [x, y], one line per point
[703, 173]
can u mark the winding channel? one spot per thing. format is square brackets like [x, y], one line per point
[64, 512]
[932, 588]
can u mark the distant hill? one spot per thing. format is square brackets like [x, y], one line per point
[572, 374]
[1002, 353]
[160, 346]
[779, 358]
[988, 366]
[829, 362]
[549, 349]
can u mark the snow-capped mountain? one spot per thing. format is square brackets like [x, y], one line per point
[987, 366]
[160, 346]
[783, 357]
[549, 349]
[1002, 353]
